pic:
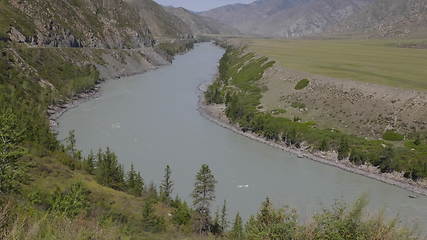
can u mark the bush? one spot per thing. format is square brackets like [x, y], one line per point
[70, 202]
[298, 105]
[151, 222]
[391, 135]
[302, 84]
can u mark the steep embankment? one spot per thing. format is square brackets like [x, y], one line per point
[239, 90]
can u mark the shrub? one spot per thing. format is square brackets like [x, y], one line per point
[302, 84]
[151, 222]
[298, 105]
[71, 201]
[391, 135]
[278, 111]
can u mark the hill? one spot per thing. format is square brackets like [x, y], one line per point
[297, 18]
[285, 18]
[200, 24]
[391, 18]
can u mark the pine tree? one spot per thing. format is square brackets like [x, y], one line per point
[203, 194]
[166, 186]
[237, 230]
[108, 171]
[215, 226]
[71, 142]
[89, 163]
[152, 192]
[139, 184]
[150, 221]
[131, 181]
[182, 214]
[223, 221]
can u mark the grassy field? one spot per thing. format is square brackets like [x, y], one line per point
[397, 63]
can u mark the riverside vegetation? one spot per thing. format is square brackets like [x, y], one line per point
[49, 190]
[237, 87]
[61, 195]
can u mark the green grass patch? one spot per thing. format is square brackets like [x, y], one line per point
[303, 83]
[391, 135]
[373, 61]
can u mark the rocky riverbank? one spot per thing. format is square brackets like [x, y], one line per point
[216, 114]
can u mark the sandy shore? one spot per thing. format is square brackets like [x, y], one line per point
[215, 113]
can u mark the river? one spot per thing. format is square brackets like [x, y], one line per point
[151, 120]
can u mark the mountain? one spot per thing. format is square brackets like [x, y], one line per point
[89, 23]
[389, 18]
[162, 23]
[201, 24]
[286, 18]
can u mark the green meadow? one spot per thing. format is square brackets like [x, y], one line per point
[397, 63]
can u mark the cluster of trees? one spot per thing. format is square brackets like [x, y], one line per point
[339, 222]
[11, 137]
[106, 168]
[236, 87]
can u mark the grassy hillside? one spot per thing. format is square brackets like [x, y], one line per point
[383, 62]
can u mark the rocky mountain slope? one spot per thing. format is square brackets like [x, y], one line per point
[389, 18]
[200, 24]
[296, 18]
[286, 18]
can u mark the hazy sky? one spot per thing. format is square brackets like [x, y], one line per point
[199, 5]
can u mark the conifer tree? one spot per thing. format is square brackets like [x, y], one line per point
[237, 230]
[139, 184]
[71, 142]
[131, 181]
[203, 194]
[215, 226]
[108, 171]
[152, 192]
[89, 163]
[166, 186]
[150, 221]
[223, 220]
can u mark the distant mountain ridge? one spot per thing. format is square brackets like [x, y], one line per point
[298, 18]
[199, 24]
[389, 18]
